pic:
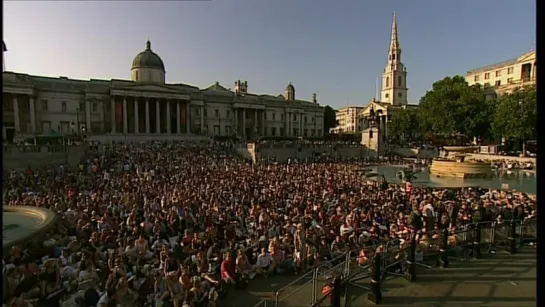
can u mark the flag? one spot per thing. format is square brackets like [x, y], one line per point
[4, 49]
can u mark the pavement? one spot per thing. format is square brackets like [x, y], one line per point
[499, 279]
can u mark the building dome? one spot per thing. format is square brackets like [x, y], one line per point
[148, 59]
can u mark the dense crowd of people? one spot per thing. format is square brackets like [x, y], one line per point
[184, 223]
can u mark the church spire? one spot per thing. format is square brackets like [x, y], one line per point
[394, 55]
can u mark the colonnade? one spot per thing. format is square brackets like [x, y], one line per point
[160, 122]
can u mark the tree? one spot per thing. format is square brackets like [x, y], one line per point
[330, 120]
[452, 107]
[405, 125]
[516, 115]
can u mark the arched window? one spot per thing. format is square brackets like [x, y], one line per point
[387, 81]
[400, 84]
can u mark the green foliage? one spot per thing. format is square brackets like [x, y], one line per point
[516, 115]
[330, 120]
[452, 106]
[405, 125]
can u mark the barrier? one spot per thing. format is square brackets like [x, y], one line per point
[262, 303]
[399, 258]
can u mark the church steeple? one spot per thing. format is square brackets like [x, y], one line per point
[394, 55]
[394, 78]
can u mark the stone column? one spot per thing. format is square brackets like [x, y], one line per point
[112, 115]
[202, 120]
[255, 128]
[32, 115]
[88, 116]
[147, 116]
[243, 123]
[136, 120]
[125, 122]
[301, 124]
[286, 126]
[187, 118]
[263, 130]
[16, 114]
[235, 121]
[178, 118]
[167, 105]
[157, 117]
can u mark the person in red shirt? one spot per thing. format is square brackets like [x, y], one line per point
[227, 267]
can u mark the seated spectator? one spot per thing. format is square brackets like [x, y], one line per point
[264, 264]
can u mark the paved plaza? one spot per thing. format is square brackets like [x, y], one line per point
[496, 280]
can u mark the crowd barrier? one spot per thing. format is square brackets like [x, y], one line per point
[400, 257]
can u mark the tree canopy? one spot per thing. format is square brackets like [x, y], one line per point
[405, 125]
[454, 107]
[330, 120]
[515, 115]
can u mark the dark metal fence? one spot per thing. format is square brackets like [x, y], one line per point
[397, 257]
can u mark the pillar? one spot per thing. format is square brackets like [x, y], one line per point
[178, 118]
[263, 122]
[157, 117]
[187, 118]
[16, 114]
[202, 120]
[32, 115]
[125, 122]
[255, 122]
[88, 115]
[286, 132]
[167, 105]
[301, 124]
[112, 115]
[136, 121]
[235, 125]
[147, 116]
[243, 123]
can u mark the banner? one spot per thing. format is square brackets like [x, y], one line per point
[119, 113]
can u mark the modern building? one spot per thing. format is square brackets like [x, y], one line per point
[148, 106]
[347, 120]
[506, 76]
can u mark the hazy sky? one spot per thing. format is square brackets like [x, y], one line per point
[334, 48]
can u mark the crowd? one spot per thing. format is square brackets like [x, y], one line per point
[183, 224]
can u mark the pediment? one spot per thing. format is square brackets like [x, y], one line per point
[376, 106]
[150, 88]
[530, 56]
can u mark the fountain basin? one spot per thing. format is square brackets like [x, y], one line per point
[460, 169]
[22, 224]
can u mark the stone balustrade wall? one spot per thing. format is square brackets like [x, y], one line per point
[20, 157]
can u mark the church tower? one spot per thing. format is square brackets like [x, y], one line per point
[394, 78]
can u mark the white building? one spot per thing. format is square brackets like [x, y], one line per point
[348, 120]
[506, 76]
[147, 106]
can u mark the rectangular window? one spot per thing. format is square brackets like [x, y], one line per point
[476, 79]
[274, 116]
[305, 132]
[282, 132]
[281, 116]
[510, 70]
[264, 115]
[45, 106]
[487, 76]
[205, 113]
[498, 83]
[305, 120]
[63, 107]
[319, 132]
[46, 126]
[273, 131]
[228, 113]
[509, 80]
[498, 73]
[217, 130]
[94, 107]
[217, 113]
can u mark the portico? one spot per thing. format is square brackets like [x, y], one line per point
[141, 112]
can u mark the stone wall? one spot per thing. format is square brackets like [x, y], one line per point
[20, 157]
[416, 152]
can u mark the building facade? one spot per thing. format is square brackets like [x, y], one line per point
[506, 76]
[347, 120]
[147, 106]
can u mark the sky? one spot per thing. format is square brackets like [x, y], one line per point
[336, 49]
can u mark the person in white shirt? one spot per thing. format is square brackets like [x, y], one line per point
[264, 263]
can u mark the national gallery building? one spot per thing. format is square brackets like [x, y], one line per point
[147, 106]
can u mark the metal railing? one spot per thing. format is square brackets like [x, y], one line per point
[433, 247]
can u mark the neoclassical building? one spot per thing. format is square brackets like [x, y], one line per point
[148, 106]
